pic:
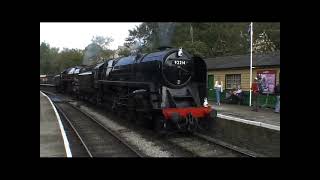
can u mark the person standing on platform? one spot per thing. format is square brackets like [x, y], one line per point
[218, 87]
[255, 90]
[277, 93]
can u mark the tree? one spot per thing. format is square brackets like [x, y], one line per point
[98, 50]
[263, 44]
[102, 41]
[52, 61]
[107, 54]
[69, 57]
[48, 56]
[215, 39]
[266, 35]
[44, 57]
[197, 48]
[145, 35]
[124, 52]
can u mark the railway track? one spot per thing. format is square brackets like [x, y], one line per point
[198, 147]
[98, 140]
[236, 149]
[204, 146]
[195, 145]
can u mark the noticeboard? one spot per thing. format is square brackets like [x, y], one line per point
[268, 80]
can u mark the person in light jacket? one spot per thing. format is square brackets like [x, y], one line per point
[238, 94]
[219, 90]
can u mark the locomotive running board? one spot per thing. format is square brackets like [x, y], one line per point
[126, 83]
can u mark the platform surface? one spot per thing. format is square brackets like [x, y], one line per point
[51, 140]
[264, 117]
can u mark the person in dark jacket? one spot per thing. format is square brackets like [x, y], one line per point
[255, 89]
[277, 93]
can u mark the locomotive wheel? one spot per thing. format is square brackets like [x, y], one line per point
[98, 99]
[113, 106]
[160, 125]
[209, 124]
[210, 119]
[192, 123]
[206, 124]
[93, 100]
[131, 115]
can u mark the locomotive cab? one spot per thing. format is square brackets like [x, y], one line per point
[97, 71]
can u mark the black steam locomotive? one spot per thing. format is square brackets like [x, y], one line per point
[167, 88]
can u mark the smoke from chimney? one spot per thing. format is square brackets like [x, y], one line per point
[92, 54]
[136, 47]
[166, 31]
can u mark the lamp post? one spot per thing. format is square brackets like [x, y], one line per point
[191, 32]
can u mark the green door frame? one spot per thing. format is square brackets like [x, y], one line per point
[211, 92]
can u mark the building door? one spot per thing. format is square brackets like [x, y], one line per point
[210, 87]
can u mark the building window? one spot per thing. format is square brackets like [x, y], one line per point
[233, 80]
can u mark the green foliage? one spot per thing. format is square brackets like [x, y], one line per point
[69, 57]
[124, 52]
[271, 32]
[52, 61]
[48, 57]
[263, 44]
[107, 54]
[102, 41]
[209, 39]
[202, 39]
[197, 48]
[146, 34]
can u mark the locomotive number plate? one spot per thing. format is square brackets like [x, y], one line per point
[179, 62]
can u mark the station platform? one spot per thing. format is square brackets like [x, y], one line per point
[264, 117]
[53, 140]
[255, 131]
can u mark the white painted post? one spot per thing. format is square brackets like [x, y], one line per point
[251, 34]
[191, 32]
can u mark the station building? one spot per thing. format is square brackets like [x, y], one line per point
[235, 70]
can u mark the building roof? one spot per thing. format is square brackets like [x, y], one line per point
[243, 61]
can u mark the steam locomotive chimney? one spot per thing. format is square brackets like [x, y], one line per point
[139, 55]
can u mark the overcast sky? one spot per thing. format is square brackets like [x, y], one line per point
[79, 35]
